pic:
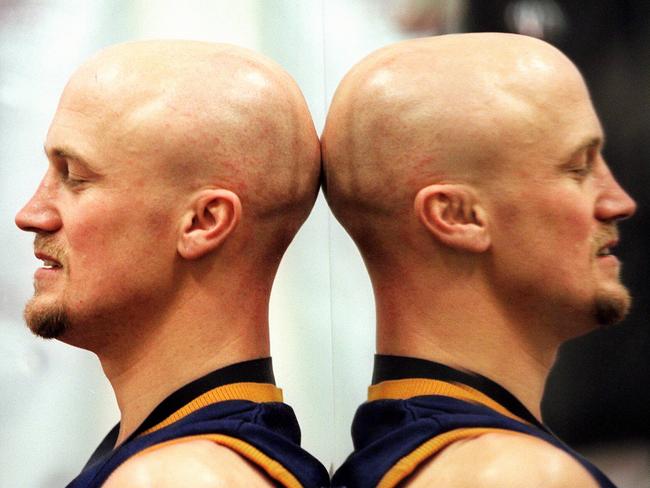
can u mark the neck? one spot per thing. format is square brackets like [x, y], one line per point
[199, 337]
[463, 328]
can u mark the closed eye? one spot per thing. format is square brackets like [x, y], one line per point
[582, 164]
[71, 180]
[582, 172]
[73, 171]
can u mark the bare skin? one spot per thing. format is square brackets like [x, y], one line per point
[178, 174]
[468, 170]
[163, 469]
[503, 460]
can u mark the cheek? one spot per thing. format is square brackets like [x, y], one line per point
[102, 236]
[116, 232]
[87, 236]
[557, 228]
[570, 223]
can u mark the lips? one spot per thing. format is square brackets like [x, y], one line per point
[606, 250]
[49, 262]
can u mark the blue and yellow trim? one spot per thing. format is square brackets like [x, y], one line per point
[254, 392]
[413, 387]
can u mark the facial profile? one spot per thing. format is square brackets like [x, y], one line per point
[151, 142]
[97, 213]
[556, 206]
[499, 133]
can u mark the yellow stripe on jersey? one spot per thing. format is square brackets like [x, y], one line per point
[407, 465]
[273, 468]
[254, 392]
[412, 387]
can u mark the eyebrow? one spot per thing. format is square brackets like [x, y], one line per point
[66, 153]
[587, 143]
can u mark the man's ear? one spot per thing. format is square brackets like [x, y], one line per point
[453, 214]
[213, 215]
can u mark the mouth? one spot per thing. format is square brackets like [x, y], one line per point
[606, 250]
[48, 261]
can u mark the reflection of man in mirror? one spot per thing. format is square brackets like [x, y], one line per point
[178, 174]
[468, 170]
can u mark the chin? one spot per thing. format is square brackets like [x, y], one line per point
[46, 321]
[612, 305]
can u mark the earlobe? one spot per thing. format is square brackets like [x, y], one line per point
[454, 216]
[211, 218]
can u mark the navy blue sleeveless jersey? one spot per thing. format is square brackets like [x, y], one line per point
[407, 420]
[238, 407]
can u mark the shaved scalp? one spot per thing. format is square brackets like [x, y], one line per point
[162, 124]
[205, 114]
[430, 150]
[434, 110]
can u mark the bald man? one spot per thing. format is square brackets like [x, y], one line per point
[468, 170]
[178, 174]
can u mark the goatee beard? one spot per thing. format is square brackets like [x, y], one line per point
[610, 310]
[49, 323]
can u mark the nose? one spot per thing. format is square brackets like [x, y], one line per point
[40, 214]
[613, 203]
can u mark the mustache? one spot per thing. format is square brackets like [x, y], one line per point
[46, 244]
[605, 235]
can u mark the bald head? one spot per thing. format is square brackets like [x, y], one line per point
[471, 163]
[204, 114]
[438, 109]
[178, 174]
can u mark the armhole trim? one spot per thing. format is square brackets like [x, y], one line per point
[408, 464]
[270, 466]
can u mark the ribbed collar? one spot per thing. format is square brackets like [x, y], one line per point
[253, 371]
[401, 367]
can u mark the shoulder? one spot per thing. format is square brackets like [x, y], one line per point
[503, 460]
[196, 463]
